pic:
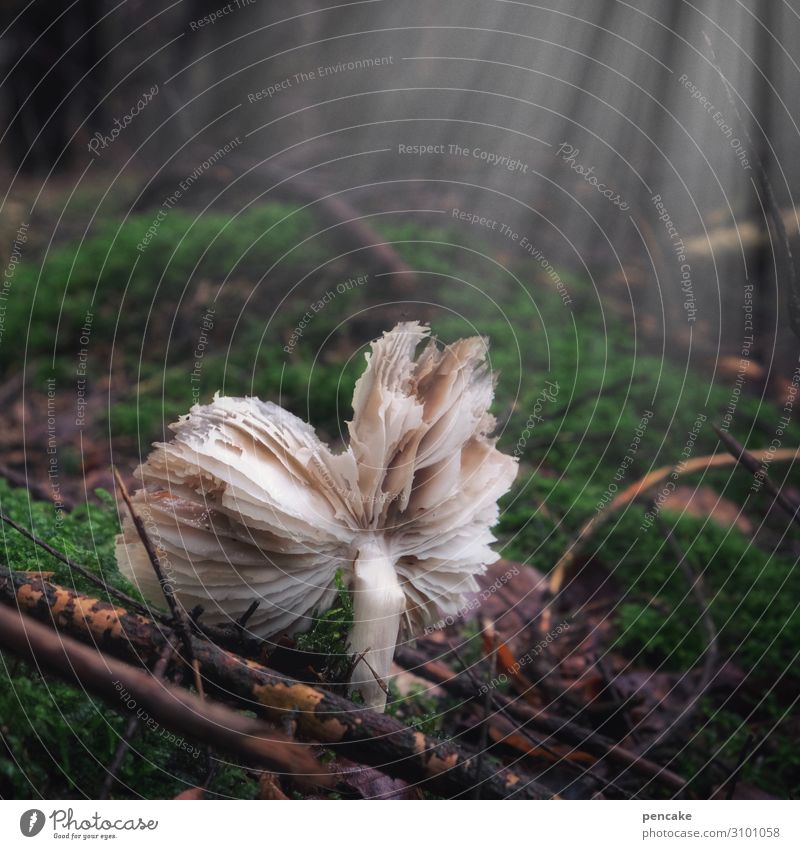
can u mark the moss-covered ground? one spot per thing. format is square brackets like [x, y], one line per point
[147, 309]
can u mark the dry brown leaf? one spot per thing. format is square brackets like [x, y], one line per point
[702, 502]
[192, 794]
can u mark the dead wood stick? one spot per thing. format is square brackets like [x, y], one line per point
[353, 230]
[181, 712]
[344, 223]
[712, 643]
[595, 393]
[748, 234]
[363, 659]
[491, 698]
[773, 209]
[242, 621]
[357, 732]
[746, 459]
[512, 727]
[159, 670]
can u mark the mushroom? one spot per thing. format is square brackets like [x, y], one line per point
[245, 502]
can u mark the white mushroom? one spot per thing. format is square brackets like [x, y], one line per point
[247, 503]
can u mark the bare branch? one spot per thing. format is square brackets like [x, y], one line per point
[75, 567]
[172, 707]
[355, 731]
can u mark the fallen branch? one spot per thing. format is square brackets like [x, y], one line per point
[594, 393]
[344, 224]
[749, 235]
[510, 729]
[181, 712]
[354, 731]
[353, 230]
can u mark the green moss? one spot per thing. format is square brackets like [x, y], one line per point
[86, 535]
[328, 637]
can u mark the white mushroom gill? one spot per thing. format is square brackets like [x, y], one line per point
[247, 503]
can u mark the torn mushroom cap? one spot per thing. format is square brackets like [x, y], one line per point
[247, 503]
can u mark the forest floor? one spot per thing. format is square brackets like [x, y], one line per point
[674, 640]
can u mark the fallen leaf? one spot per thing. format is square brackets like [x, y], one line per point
[702, 502]
[192, 794]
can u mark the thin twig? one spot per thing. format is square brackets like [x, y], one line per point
[198, 678]
[132, 727]
[356, 660]
[746, 459]
[36, 489]
[568, 731]
[76, 567]
[596, 393]
[712, 640]
[772, 202]
[631, 493]
[487, 705]
[179, 617]
[593, 393]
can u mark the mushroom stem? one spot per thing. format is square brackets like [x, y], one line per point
[377, 607]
